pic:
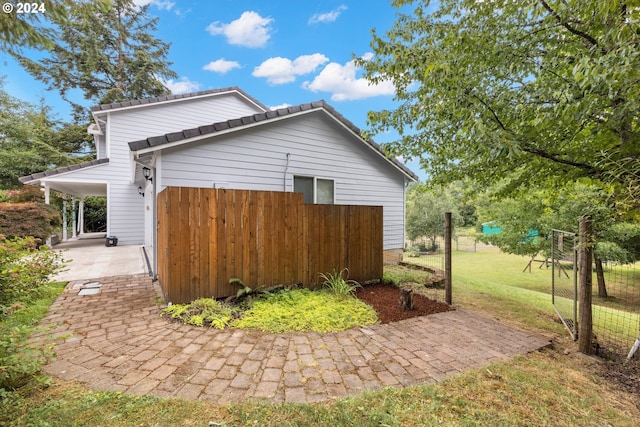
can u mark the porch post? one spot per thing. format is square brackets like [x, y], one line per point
[81, 217]
[74, 218]
[47, 194]
[64, 217]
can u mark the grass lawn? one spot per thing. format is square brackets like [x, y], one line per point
[554, 387]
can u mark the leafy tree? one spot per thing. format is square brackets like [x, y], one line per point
[29, 141]
[541, 91]
[425, 212]
[107, 50]
[617, 238]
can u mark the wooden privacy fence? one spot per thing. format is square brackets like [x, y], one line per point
[208, 236]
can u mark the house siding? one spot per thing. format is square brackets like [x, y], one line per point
[256, 158]
[125, 205]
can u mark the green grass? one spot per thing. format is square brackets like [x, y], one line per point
[495, 283]
[513, 393]
[548, 388]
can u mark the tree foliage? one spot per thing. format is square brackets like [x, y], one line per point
[32, 141]
[617, 237]
[28, 30]
[107, 50]
[542, 91]
[425, 212]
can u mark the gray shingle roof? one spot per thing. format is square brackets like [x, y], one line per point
[136, 102]
[157, 141]
[64, 169]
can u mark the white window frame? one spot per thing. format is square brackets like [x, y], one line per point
[315, 187]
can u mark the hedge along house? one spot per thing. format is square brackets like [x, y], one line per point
[224, 138]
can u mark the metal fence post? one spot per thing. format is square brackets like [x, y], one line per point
[585, 323]
[447, 257]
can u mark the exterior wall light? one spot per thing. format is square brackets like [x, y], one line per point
[146, 172]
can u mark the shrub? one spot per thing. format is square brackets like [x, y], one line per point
[19, 361]
[30, 219]
[24, 269]
[305, 310]
[203, 311]
[338, 285]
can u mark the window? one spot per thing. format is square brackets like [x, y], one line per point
[315, 190]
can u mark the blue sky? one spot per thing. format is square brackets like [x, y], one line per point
[281, 52]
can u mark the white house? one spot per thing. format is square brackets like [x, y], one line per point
[224, 138]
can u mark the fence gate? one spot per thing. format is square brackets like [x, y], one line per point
[564, 278]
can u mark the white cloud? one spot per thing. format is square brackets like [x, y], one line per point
[181, 85]
[221, 66]
[342, 82]
[277, 107]
[322, 18]
[160, 4]
[250, 30]
[280, 70]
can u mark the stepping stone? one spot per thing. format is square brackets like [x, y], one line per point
[92, 285]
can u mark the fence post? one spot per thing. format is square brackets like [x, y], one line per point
[447, 257]
[585, 253]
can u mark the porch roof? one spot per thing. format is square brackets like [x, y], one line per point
[62, 179]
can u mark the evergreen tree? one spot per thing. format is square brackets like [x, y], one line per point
[25, 30]
[107, 50]
[29, 140]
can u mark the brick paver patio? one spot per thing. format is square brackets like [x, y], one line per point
[117, 340]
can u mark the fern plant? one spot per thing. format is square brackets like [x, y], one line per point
[338, 283]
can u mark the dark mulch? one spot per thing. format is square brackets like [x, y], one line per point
[625, 374]
[384, 298]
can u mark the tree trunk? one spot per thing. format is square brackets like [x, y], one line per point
[406, 299]
[585, 260]
[602, 286]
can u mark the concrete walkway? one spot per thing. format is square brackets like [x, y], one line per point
[89, 258]
[116, 339]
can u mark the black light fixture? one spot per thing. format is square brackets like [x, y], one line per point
[140, 191]
[146, 172]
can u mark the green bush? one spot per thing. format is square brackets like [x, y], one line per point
[29, 219]
[203, 311]
[24, 269]
[19, 361]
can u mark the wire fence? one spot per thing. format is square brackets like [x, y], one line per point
[432, 263]
[616, 307]
[428, 257]
[564, 284]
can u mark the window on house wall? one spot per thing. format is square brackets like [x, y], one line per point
[315, 190]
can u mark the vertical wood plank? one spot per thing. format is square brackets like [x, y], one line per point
[222, 241]
[213, 243]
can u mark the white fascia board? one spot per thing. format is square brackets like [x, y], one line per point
[214, 134]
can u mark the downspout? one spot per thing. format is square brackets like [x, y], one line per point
[286, 168]
[154, 204]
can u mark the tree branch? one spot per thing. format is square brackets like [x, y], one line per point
[566, 25]
[554, 158]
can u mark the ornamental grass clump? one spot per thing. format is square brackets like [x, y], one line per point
[338, 283]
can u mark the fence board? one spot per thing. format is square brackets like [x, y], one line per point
[208, 236]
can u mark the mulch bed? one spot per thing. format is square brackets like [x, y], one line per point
[384, 298]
